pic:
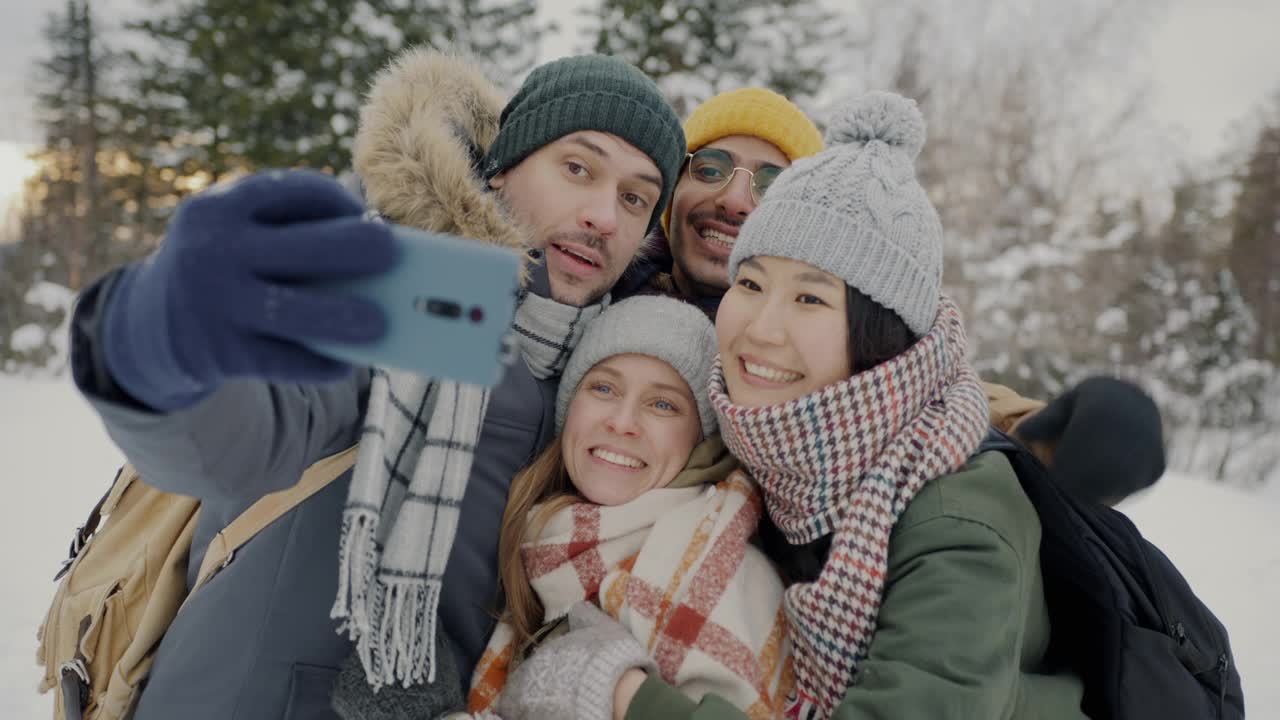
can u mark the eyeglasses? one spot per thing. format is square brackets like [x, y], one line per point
[714, 168]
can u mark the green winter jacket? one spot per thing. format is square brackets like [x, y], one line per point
[963, 625]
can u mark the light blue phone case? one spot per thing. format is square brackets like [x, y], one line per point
[449, 304]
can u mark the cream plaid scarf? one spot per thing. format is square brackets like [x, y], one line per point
[677, 569]
[848, 460]
[401, 515]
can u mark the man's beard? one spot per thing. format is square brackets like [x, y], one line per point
[702, 285]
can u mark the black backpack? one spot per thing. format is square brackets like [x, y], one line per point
[1122, 615]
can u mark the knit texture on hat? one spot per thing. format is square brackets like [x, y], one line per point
[589, 92]
[756, 112]
[675, 332]
[857, 211]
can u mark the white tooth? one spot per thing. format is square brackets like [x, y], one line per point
[719, 237]
[617, 459]
[587, 260]
[771, 374]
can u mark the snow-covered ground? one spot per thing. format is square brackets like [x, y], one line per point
[58, 461]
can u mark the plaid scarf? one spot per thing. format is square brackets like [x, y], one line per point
[416, 448]
[847, 460]
[676, 568]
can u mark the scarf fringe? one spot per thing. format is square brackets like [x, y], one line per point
[357, 561]
[403, 649]
[391, 621]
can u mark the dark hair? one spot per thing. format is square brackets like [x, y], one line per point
[876, 334]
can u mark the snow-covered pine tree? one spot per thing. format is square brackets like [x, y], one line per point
[256, 84]
[698, 48]
[1255, 235]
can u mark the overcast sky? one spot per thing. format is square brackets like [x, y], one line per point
[1216, 61]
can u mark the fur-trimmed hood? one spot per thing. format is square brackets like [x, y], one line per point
[429, 118]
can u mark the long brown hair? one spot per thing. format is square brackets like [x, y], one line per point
[546, 483]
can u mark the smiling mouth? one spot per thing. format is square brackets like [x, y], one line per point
[768, 374]
[613, 458]
[576, 256]
[717, 238]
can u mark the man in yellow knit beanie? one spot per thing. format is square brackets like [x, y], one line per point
[738, 142]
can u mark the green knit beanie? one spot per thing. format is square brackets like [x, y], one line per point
[590, 92]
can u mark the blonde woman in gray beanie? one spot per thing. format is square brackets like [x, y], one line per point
[632, 532]
[911, 563]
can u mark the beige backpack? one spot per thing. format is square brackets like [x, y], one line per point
[122, 586]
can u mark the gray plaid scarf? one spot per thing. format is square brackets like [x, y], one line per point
[402, 511]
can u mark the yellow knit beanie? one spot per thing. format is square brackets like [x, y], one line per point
[756, 112]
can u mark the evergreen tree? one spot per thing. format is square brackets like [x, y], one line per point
[56, 224]
[1255, 238]
[92, 203]
[1191, 326]
[252, 83]
[697, 49]
[68, 105]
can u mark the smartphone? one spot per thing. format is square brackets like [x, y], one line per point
[449, 303]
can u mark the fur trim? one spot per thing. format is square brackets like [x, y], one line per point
[428, 115]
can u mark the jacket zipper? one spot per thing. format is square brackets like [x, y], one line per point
[1224, 667]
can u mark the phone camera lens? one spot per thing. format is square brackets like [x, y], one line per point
[441, 308]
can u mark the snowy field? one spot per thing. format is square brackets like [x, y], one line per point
[58, 461]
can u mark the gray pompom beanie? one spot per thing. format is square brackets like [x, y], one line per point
[857, 211]
[675, 332]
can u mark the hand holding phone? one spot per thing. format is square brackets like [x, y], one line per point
[449, 303]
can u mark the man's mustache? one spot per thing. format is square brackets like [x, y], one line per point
[586, 239]
[718, 216]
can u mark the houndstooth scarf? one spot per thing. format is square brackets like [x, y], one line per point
[411, 472]
[847, 460]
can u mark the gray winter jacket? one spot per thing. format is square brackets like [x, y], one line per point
[257, 641]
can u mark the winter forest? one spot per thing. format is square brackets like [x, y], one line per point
[1084, 234]
[1081, 237]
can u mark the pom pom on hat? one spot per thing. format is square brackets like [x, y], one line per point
[879, 115]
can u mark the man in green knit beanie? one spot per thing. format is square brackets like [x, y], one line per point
[603, 126]
[233, 405]
[578, 167]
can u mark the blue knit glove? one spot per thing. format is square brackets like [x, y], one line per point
[224, 297]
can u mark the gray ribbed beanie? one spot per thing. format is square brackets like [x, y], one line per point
[675, 332]
[590, 92]
[857, 211]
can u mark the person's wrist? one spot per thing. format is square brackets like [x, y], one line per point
[137, 349]
[628, 685]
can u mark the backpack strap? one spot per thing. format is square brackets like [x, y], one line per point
[123, 479]
[267, 510]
